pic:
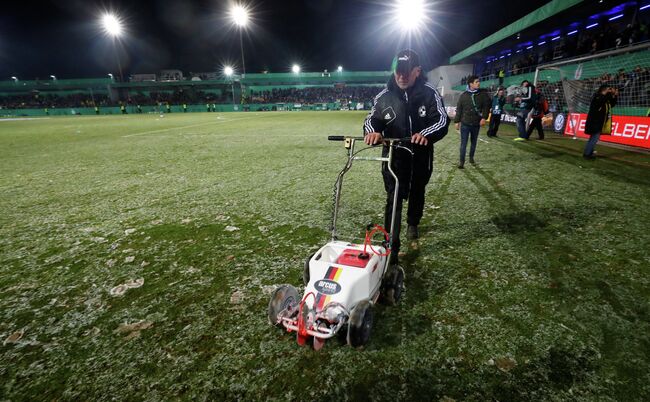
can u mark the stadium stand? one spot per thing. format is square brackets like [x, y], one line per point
[584, 44]
[152, 92]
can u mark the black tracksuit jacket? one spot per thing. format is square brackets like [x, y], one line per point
[400, 114]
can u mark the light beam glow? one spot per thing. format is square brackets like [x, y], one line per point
[112, 25]
[295, 69]
[239, 15]
[410, 14]
[228, 71]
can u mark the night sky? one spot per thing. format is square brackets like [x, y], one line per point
[64, 38]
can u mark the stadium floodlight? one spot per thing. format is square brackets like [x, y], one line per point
[240, 17]
[228, 71]
[53, 77]
[112, 25]
[592, 25]
[410, 14]
[340, 69]
[616, 17]
[110, 75]
[295, 68]
[15, 79]
[575, 31]
[644, 7]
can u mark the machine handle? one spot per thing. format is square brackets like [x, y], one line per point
[389, 140]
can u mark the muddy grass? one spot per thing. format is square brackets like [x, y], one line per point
[530, 281]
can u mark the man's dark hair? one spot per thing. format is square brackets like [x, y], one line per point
[471, 79]
[524, 81]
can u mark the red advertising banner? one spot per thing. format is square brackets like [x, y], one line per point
[627, 130]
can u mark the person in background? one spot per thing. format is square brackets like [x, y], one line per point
[599, 118]
[524, 103]
[472, 111]
[539, 111]
[498, 102]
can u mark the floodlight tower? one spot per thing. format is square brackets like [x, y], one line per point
[240, 17]
[113, 27]
[296, 69]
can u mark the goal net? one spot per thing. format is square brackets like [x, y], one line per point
[570, 85]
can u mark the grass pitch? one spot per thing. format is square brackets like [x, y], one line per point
[530, 281]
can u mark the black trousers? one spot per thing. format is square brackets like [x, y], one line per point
[536, 123]
[495, 121]
[413, 172]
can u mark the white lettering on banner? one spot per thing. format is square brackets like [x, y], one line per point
[628, 130]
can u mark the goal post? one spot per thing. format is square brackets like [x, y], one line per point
[569, 86]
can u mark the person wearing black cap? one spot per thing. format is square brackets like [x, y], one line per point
[407, 107]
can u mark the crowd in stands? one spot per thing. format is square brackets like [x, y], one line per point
[605, 36]
[180, 96]
[315, 95]
[633, 86]
[154, 98]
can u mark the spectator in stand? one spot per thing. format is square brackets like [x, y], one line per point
[599, 118]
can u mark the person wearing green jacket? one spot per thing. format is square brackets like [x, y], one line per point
[498, 102]
[472, 111]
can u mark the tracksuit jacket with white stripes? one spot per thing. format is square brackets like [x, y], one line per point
[397, 113]
[400, 114]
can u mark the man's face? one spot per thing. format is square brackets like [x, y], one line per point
[404, 80]
[500, 92]
[475, 84]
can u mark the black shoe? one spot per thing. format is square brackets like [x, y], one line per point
[461, 165]
[472, 161]
[589, 157]
[393, 259]
[412, 232]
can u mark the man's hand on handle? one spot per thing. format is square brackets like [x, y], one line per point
[373, 138]
[419, 139]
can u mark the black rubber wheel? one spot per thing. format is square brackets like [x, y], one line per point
[393, 285]
[281, 298]
[360, 324]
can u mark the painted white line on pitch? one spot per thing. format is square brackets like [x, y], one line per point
[24, 118]
[162, 130]
[481, 139]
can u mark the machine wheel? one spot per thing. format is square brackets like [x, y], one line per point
[393, 285]
[360, 324]
[282, 297]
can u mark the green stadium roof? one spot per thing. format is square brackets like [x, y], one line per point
[547, 11]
